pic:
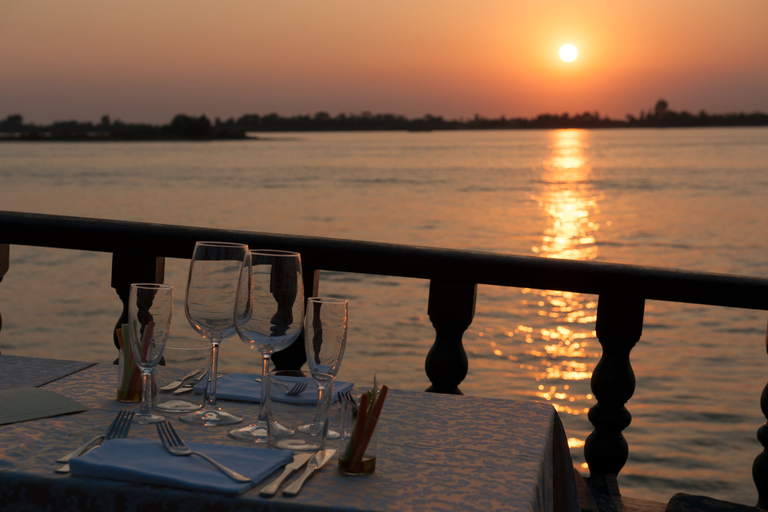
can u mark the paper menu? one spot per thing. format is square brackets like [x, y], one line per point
[22, 404]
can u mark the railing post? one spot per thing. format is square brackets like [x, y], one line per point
[451, 310]
[760, 465]
[294, 356]
[5, 261]
[619, 326]
[130, 268]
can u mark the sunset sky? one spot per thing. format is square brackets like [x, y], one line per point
[145, 61]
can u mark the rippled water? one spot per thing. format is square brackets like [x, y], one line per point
[691, 199]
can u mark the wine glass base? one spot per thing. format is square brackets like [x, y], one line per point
[147, 418]
[178, 406]
[211, 418]
[314, 429]
[254, 433]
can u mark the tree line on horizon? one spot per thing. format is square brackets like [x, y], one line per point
[184, 127]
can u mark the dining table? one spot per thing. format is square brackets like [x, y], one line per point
[435, 452]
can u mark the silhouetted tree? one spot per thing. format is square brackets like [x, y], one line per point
[13, 122]
[191, 128]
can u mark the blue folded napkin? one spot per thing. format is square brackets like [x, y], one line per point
[145, 461]
[242, 386]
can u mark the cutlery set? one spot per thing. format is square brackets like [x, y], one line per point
[316, 461]
[188, 385]
[175, 445]
[178, 383]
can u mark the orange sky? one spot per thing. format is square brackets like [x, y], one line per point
[145, 61]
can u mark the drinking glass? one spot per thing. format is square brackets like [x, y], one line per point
[298, 425]
[183, 357]
[325, 337]
[325, 333]
[149, 320]
[269, 313]
[211, 289]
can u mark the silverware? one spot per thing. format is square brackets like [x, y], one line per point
[290, 390]
[81, 450]
[297, 389]
[190, 386]
[178, 383]
[84, 448]
[117, 429]
[348, 398]
[270, 489]
[175, 446]
[317, 461]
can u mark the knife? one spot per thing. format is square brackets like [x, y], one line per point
[318, 460]
[178, 383]
[299, 460]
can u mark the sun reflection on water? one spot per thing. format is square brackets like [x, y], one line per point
[562, 354]
[553, 342]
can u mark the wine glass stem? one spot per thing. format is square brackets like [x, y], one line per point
[320, 392]
[264, 368]
[146, 391]
[210, 389]
[320, 398]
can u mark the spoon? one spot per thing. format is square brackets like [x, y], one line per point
[178, 383]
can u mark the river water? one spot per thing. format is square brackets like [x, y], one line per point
[691, 199]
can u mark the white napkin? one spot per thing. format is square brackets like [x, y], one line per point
[146, 461]
[242, 386]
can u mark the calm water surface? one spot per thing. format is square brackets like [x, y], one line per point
[689, 199]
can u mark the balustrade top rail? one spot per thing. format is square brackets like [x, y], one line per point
[591, 277]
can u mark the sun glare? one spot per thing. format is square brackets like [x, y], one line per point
[568, 52]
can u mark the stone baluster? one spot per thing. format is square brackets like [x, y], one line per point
[619, 326]
[130, 268]
[5, 261]
[451, 310]
[760, 465]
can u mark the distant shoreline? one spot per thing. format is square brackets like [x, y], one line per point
[49, 137]
[186, 128]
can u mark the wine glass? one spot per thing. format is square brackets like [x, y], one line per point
[325, 338]
[269, 313]
[325, 333]
[149, 320]
[211, 288]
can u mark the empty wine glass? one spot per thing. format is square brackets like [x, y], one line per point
[269, 313]
[149, 319]
[325, 338]
[325, 333]
[211, 289]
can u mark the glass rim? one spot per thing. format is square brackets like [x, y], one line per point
[210, 243]
[274, 252]
[151, 285]
[330, 300]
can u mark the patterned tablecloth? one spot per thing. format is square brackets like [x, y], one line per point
[435, 453]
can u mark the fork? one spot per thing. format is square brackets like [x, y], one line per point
[350, 399]
[117, 429]
[175, 446]
[294, 390]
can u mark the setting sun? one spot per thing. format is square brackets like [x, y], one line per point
[568, 52]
